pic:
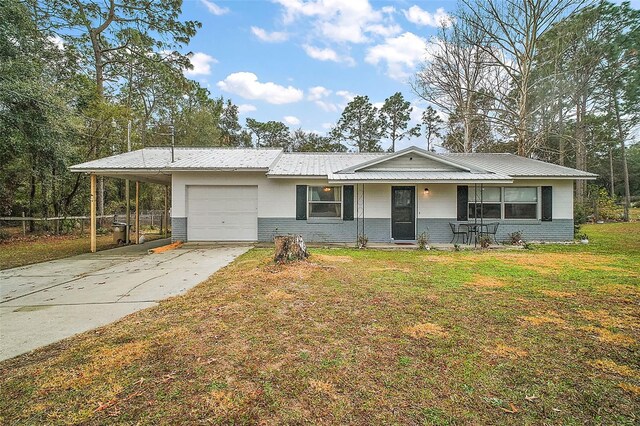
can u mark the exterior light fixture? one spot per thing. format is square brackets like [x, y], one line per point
[426, 191]
[326, 189]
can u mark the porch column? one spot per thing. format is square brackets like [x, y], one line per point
[137, 212]
[166, 211]
[92, 232]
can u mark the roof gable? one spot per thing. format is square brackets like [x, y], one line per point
[409, 159]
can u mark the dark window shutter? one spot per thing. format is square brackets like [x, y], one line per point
[547, 203]
[463, 200]
[301, 202]
[347, 202]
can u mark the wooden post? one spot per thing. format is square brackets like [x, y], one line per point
[24, 225]
[93, 213]
[166, 211]
[137, 212]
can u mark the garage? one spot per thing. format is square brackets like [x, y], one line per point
[222, 213]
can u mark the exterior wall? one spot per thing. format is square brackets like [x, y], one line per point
[435, 209]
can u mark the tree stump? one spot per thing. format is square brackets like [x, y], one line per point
[289, 248]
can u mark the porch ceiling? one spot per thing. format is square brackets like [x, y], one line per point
[140, 176]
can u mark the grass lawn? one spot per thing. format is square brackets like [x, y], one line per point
[547, 336]
[22, 251]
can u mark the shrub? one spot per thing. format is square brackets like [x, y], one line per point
[515, 238]
[485, 241]
[423, 240]
[363, 240]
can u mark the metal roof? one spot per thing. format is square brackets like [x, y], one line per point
[318, 164]
[334, 166]
[516, 166]
[154, 159]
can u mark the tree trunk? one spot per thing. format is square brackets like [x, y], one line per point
[580, 147]
[611, 175]
[32, 198]
[625, 168]
[289, 248]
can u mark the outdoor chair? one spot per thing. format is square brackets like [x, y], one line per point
[492, 230]
[457, 230]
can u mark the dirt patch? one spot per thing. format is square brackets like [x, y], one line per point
[609, 366]
[425, 329]
[486, 282]
[557, 294]
[504, 351]
[607, 336]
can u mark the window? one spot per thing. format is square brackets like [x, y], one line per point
[485, 203]
[325, 202]
[521, 203]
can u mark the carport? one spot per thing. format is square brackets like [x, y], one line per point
[143, 171]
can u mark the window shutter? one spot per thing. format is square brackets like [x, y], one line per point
[463, 200]
[301, 202]
[347, 202]
[547, 203]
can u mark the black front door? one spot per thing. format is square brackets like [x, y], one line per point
[403, 212]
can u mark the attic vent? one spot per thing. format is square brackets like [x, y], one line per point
[410, 158]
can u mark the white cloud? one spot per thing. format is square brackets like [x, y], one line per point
[269, 37]
[246, 84]
[318, 92]
[385, 30]
[245, 108]
[57, 41]
[402, 54]
[335, 20]
[201, 64]
[327, 54]
[327, 106]
[346, 95]
[214, 8]
[419, 16]
[291, 120]
[416, 113]
[327, 126]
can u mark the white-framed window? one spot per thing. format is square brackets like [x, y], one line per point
[492, 202]
[324, 202]
[485, 202]
[520, 202]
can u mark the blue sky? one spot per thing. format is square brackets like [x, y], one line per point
[300, 62]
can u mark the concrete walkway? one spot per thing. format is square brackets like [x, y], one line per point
[46, 302]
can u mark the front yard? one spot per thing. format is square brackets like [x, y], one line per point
[548, 335]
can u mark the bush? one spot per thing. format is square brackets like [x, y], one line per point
[423, 240]
[485, 241]
[515, 238]
[363, 240]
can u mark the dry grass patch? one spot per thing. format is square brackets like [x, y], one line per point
[483, 281]
[323, 387]
[633, 389]
[331, 258]
[504, 351]
[277, 295]
[608, 336]
[619, 289]
[425, 329]
[609, 366]
[549, 263]
[607, 320]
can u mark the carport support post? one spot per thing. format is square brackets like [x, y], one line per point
[93, 213]
[137, 212]
[166, 212]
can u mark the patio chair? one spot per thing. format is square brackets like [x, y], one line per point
[457, 230]
[491, 230]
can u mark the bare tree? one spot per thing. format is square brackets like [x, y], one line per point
[511, 30]
[455, 73]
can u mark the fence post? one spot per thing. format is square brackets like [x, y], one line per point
[24, 225]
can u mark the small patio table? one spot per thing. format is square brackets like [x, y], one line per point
[474, 229]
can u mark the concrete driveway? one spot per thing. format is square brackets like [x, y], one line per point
[46, 302]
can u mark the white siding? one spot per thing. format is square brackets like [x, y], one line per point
[411, 162]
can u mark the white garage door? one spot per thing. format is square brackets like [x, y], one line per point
[222, 213]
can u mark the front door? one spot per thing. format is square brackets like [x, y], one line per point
[403, 212]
